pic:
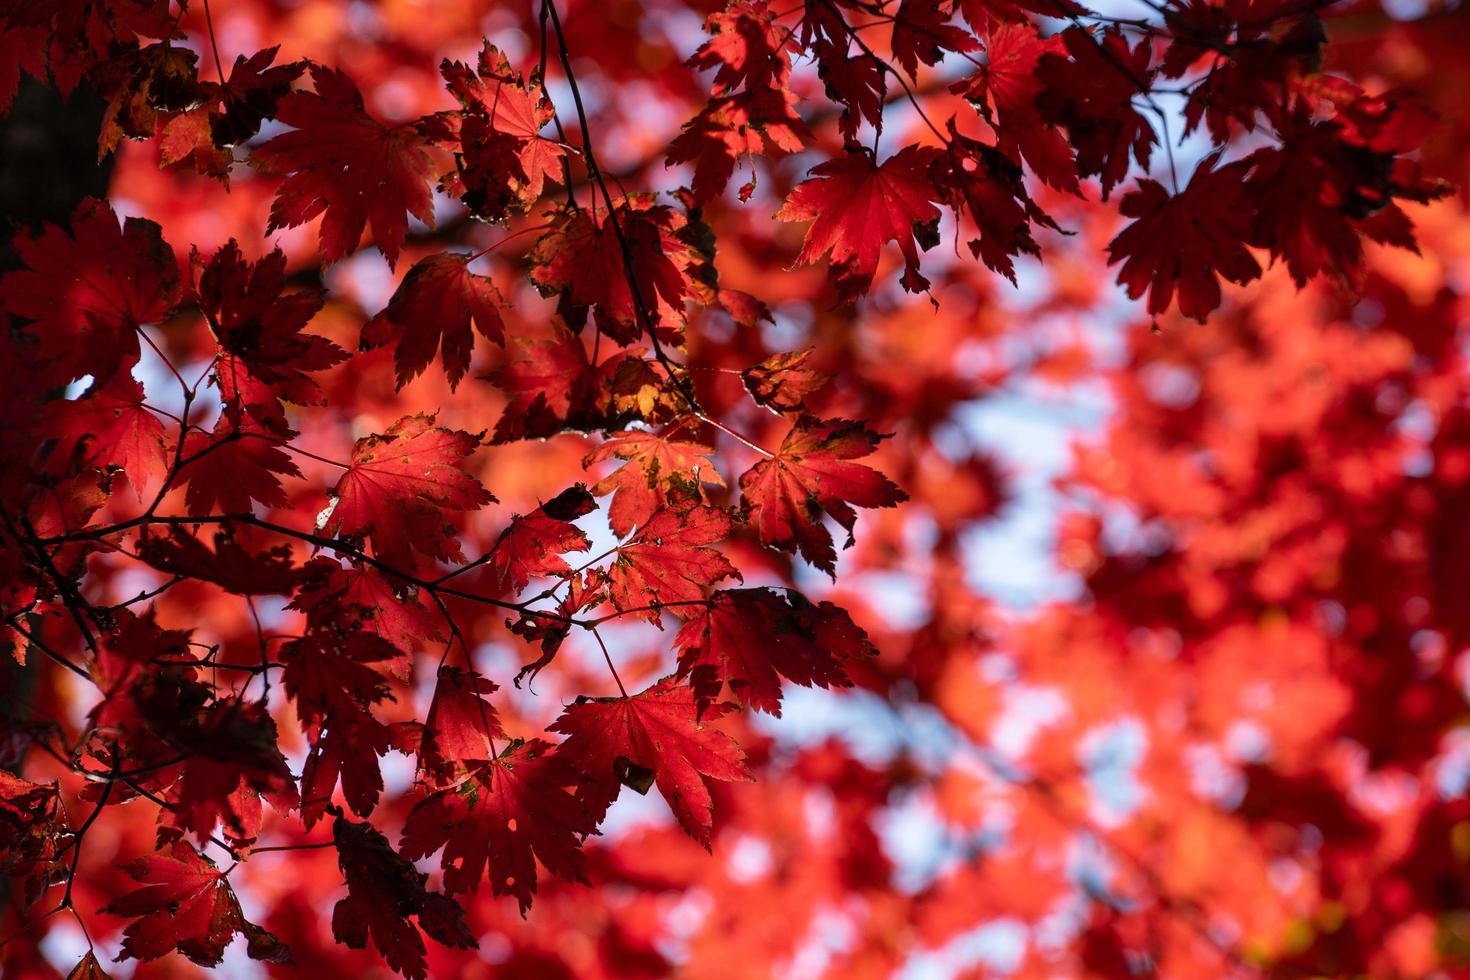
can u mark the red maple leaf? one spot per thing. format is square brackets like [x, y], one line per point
[142, 86]
[733, 126]
[1091, 93]
[786, 495]
[187, 904]
[331, 672]
[668, 562]
[855, 205]
[232, 564]
[347, 751]
[1005, 91]
[975, 176]
[657, 469]
[188, 137]
[582, 259]
[260, 325]
[782, 381]
[1266, 60]
[503, 160]
[88, 291]
[549, 382]
[30, 835]
[397, 486]
[392, 609]
[1186, 241]
[858, 83]
[745, 47]
[461, 725]
[750, 639]
[109, 427]
[383, 892]
[232, 756]
[228, 468]
[335, 676]
[1333, 182]
[343, 164]
[656, 736]
[534, 543]
[439, 298]
[584, 591]
[511, 812]
[252, 94]
[922, 32]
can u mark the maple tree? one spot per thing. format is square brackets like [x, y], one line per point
[427, 438]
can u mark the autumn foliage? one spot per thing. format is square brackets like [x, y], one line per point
[546, 489]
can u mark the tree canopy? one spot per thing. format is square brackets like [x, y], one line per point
[643, 488]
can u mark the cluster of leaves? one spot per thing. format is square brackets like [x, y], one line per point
[131, 467]
[209, 756]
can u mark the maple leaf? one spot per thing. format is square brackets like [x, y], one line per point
[383, 892]
[461, 725]
[745, 47]
[921, 33]
[1091, 94]
[392, 609]
[511, 812]
[343, 164]
[782, 381]
[733, 126]
[259, 325]
[187, 904]
[1186, 241]
[1264, 65]
[658, 469]
[253, 402]
[88, 291]
[752, 638]
[228, 468]
[188, 137]
[330, 672]
[584, 591]
[135, 641]
[533, 543]
[231, 565]
[231, 754]
[857, 83]
[503, 160]
[582, 259]
[1332, 182]
[655, 736]
[30, 834]
[397, 485]
[972, 175]
[786, 495]
[668, 562]
[550, 383]
[1005, 91]
[440, 297]
[110, 427]
[251, 96]
[142, 84]
[855, 205]
[347, 751]
[335, 674]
